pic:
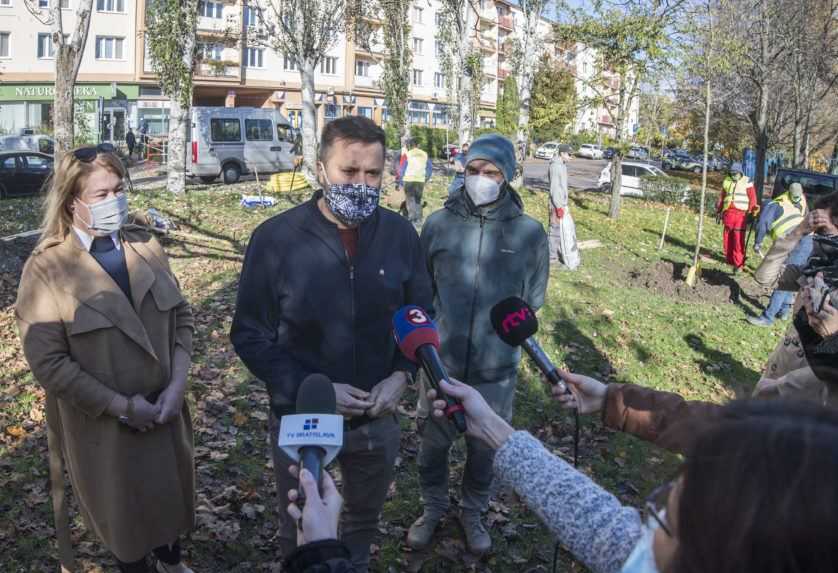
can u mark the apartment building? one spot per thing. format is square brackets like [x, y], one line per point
[116, 79]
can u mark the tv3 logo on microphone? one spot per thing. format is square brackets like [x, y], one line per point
[310, 424]
[416, 316]
[515, 318]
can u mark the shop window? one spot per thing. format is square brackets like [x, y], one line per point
[330, 112]
[365, 112]
[226, 130]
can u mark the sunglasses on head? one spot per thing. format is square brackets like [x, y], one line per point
[89, 153]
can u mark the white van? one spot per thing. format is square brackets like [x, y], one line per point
[231, 141]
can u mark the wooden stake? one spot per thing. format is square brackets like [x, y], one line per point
[665, 227]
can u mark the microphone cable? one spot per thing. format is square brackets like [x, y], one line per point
[576, 466]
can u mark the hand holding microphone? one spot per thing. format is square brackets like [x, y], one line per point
[481, 421]
[418, 340]
[587, 395]
[318, 520]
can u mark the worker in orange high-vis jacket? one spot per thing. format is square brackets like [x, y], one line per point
[738, 200]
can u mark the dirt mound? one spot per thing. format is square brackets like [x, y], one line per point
[714, 286]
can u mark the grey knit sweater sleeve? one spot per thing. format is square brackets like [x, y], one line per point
[589, 521]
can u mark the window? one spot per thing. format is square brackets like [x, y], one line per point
[439, 80]
[284, 133]
[208, 52]
[439, 19]
[417, 77]
[258, 130]
[37, 162]
[295, 117]
[251, 16]
[440, 115]
[5, 3]
[289, 64]
[109, 48]
[365, 112]
[417, 46]
[362, 68]
[226, 129]
[330, 112]
[438, 49]
[629, 170]
[43, 3]
[254, 57]
[64, 5]
[210, 9]
[329, 65]
[45, 47]
[418, 112]
[8, 164]
[5, 45]
[110, 5]
[417, 15]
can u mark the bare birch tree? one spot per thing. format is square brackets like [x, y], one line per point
[304, 31]
[68, 55]
[461, 62]
[529, 46]
[171, 30]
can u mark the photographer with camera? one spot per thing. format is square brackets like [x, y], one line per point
[742, 503]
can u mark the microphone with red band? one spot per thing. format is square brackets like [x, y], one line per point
[515, 323]
[418, 340]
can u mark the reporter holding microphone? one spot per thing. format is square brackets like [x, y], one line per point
[756, 493]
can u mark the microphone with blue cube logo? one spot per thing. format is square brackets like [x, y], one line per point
[313, 436]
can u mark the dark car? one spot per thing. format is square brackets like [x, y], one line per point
[815, 185]
[609, 153]
[23, 172]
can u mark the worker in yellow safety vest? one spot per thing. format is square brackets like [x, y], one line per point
[781, 215]
[415, 172]
[737, 201]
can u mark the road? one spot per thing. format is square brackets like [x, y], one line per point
[581, 173]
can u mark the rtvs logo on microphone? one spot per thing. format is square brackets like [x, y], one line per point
[310, 424]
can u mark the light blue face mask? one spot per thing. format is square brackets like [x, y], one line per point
[642, 558]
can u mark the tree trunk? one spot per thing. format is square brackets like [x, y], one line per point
[616, 184]
[179, 122]
[63, 105]
[700, 231]
[528, 59]
[464, 95]
[759, 174]
[310, 131]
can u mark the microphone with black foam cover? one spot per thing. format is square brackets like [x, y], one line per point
[515, 323]
[418, 340]
[313, 436]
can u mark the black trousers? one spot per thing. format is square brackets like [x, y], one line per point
[413, 198]
[166, 554]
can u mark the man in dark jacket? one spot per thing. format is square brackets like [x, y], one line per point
[318, 289]
[480, 248]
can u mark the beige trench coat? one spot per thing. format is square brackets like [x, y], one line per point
[86, 342]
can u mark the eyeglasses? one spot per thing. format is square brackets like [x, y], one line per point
[657, 503]
[89, 153]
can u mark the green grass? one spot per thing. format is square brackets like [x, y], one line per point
[602, 320]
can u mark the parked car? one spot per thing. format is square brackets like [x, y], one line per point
[547, 150]
[683, 162]
[815, 185]
[35, 142]
[231, 141]
[632, 171]
[637, 152]
[609, 152]
[23, 172]
[590, 151]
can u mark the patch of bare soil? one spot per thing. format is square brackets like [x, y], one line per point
[714, 286]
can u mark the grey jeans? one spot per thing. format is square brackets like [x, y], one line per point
[438, 435]
[366, 467]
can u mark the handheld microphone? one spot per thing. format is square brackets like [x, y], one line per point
[418, 339]
[314, 435]
[515, 323]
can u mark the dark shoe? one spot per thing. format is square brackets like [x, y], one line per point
[421, 533]
[760, 321]
[478, 540]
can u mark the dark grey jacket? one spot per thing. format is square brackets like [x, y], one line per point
[477, 257]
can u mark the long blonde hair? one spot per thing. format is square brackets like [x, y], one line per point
[65, 185]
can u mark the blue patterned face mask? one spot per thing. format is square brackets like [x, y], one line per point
[642, 559]
[351, 203]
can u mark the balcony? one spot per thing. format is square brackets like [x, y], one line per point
[486, 44]
[506, 22]
[366, 82]
[503, 74]
[605, 119]
[488, 18]
[219, 70]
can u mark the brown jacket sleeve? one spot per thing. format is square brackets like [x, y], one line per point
[663, 418]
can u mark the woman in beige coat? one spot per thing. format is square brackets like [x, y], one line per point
[108, 334]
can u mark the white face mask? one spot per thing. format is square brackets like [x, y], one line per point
[482, 190]
[642, 558]
[107, 216]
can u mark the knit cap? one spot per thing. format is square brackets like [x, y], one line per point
[496, 149]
